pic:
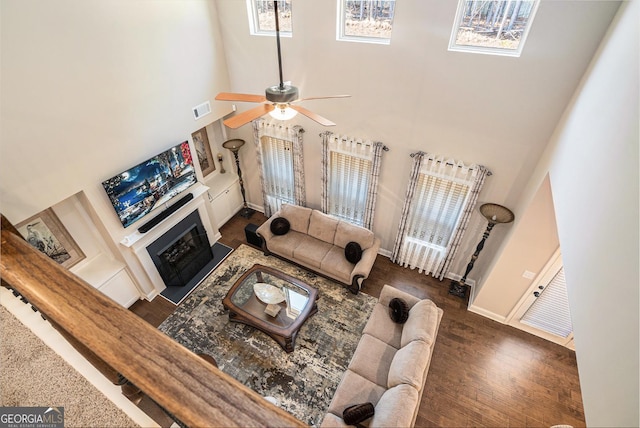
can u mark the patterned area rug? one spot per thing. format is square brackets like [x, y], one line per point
[303, 381]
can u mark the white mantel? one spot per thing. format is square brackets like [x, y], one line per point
[157, 231]
[134, 246]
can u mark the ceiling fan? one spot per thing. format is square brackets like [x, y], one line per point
[278, 100]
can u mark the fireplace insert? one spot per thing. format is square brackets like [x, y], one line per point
[182, 252]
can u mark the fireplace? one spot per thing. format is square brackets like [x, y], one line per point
[182, 252]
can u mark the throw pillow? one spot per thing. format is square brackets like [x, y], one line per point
[357, 413]
[398, 310]
[353, 252]
[280, 226]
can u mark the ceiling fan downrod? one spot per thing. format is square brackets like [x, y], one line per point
[281, 93]
[275, 8]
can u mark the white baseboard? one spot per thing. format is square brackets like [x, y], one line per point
[456, 277]
[488, 314]
[255, 207]
[385, 253]
[152, 295]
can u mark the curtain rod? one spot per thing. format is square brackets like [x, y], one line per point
[489, 173]
[279, 125]
[385, 148]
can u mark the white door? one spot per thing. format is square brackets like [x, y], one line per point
[544, 309]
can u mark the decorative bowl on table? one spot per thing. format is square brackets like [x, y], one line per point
[267, 293]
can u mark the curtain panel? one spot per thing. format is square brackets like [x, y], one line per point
[439, 202]
[280, 163]
[350, 173]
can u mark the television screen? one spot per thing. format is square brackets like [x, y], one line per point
[137, 191]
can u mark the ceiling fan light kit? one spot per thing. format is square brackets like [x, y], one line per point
[283, 112]
[281, 97]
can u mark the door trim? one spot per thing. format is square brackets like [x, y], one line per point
[545, 276]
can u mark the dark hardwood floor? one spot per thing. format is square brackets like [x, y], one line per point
[482, 373]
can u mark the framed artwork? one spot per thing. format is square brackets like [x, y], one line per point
[45, 232]
[203, 151]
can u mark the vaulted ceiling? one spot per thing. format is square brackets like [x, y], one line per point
[415, 94]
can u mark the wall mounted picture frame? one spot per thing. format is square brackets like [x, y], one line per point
[45, 232]
[203, 151]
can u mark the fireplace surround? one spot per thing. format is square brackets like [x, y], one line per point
[180, 253]
[135, 246]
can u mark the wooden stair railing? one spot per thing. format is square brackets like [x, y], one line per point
[117, 341]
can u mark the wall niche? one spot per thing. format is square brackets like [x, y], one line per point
[101, 266]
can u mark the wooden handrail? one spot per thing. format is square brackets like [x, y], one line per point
[194, 391]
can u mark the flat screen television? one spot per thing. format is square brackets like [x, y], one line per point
[139, 190]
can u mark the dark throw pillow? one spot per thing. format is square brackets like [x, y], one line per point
[398, 310]
[353, 252]
[280, 226]
[357, 413]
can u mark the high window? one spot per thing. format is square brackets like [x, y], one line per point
[368, 21]
[497, 27]
[262, 19]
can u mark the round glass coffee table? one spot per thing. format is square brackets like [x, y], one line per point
[273, 302]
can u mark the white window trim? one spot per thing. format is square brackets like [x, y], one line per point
[487, 50]
[254, 29]
[341, 37]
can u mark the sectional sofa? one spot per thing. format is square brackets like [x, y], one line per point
[389, 367]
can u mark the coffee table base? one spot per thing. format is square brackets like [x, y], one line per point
[287, 342]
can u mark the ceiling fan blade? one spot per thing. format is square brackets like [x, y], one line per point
[248, 98]
[322, 98]
[311, 115]
[247, 116]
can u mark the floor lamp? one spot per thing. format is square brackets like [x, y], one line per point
[235, 145]
[495, 214]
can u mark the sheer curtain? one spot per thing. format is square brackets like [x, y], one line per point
[350, 171]
[438, 205]
[280, 160]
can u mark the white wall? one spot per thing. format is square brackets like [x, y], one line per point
[92, 88]
[529, 247]
[594, 177]
[416, 95]
[88, 89]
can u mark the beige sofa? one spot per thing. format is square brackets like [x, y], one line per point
[389, 367]
[317, 241]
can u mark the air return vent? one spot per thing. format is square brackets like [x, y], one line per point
[201, 110]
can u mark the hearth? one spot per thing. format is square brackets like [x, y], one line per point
[182, 251]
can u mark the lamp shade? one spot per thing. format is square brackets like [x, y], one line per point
[495, 213]
[233, 145]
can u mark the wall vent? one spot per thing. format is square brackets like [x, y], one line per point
[201, 110]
